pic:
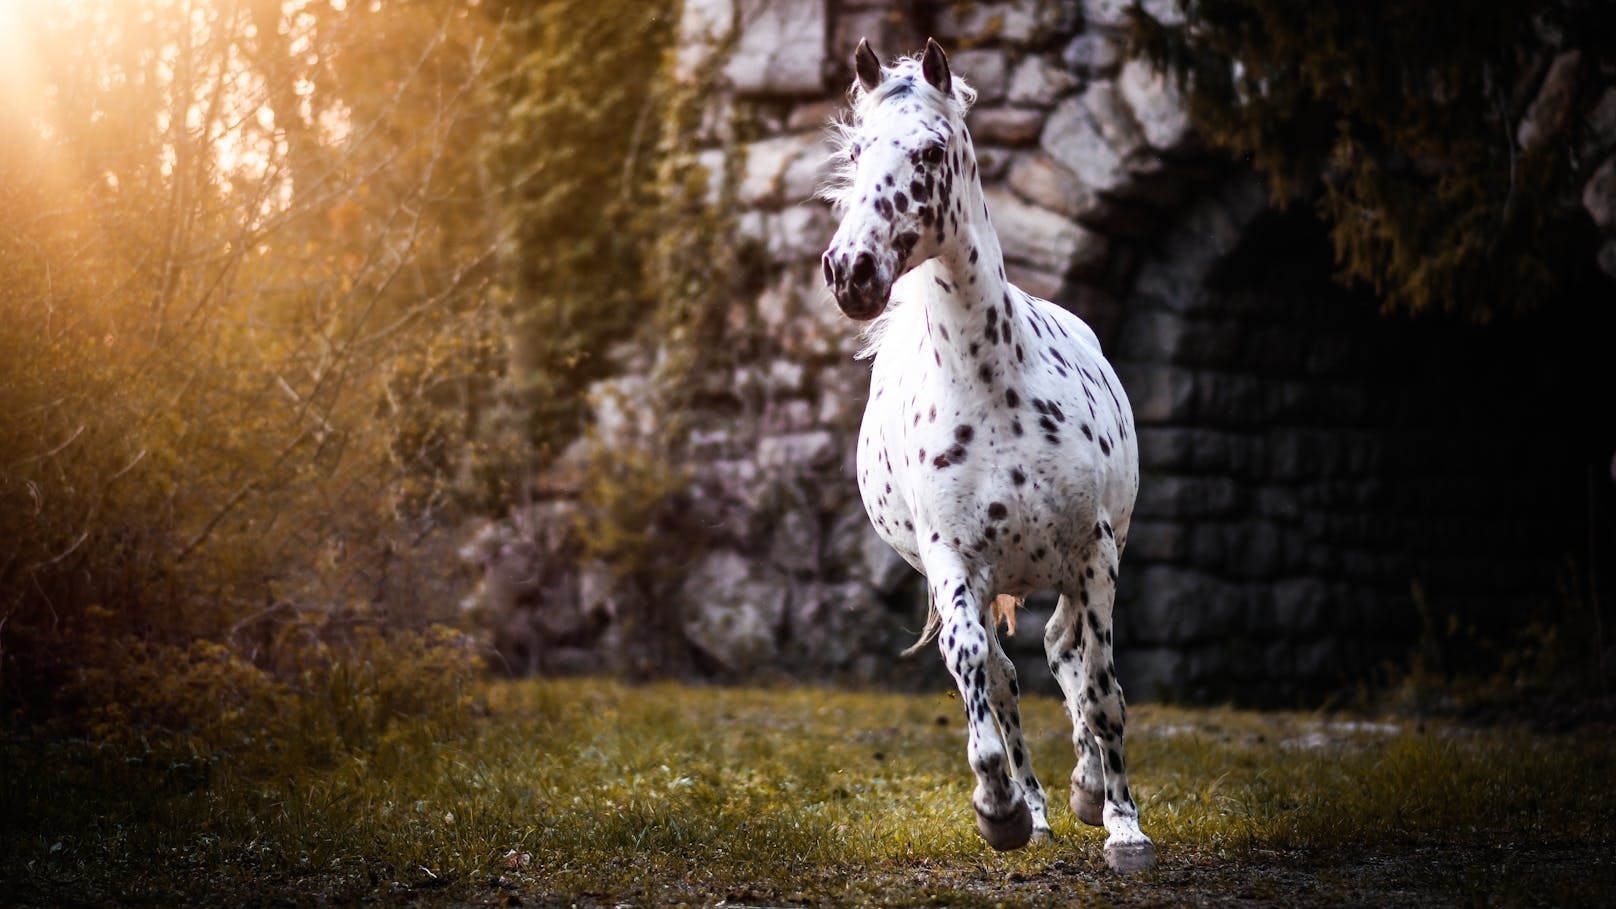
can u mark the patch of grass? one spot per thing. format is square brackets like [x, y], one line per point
[594, 792]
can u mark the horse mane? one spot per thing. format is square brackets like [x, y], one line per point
[902, 77]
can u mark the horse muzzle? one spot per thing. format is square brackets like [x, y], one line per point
[861, 287]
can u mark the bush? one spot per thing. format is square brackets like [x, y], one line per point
[321, 686]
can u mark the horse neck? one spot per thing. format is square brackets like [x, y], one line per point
[968, 297]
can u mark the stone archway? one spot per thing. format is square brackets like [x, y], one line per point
[1306, 492]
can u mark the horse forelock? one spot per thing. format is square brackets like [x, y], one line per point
[903, 78]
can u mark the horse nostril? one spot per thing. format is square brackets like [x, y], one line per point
[863, 268]
[830, 273]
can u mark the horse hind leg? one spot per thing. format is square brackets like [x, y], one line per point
[1006, 698]
[1003, 817]
[1104, 711]
[1087, 798]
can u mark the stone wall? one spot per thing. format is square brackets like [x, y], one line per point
[1314, 476]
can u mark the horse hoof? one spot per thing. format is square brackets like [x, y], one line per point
[1089, 808]
[1130, 858]
[1006, 833]
[1042, 836]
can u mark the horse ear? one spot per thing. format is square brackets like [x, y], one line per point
[934, 66]
[867, 65]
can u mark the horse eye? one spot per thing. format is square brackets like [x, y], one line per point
[933, 154]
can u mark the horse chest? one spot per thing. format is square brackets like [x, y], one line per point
[943, 462]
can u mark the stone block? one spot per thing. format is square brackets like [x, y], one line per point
[1548, 112]
[1176, 605]
[1039, 83]
[1005, 125]
[1015, 21]
[837, 627]
[1599, 196]
[733, 610]
[1167, 12]
[1098, 309]
[1092, 54]
[1072, 137]
[871, 23]
[1279, 503]
[784, 170]
[1252, 550]
[986, 72]
[1209, 546]
[1154, 336]
[992, 161]
[1156, 104]
[1156, 673]
[1599, 125]
[853, 550]
[1131, 218]
[1235, 399]
[1167, 448]
[790, 235]
[1159, 394]
[1105, 104]
[1043, 239]
[1040, 180]
[1200, 497]
[780, 304]
[795, 451]
[1156, 541]
[1040, 283]
[812, 115]
[780, 50]
[794, 546]
[1106, 14]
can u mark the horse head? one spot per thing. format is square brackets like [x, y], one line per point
[901, 155]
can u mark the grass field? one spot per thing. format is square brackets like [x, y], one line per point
[597, 793]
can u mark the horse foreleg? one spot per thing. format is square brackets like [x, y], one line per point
[1002, 815]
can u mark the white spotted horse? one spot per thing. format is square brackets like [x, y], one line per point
[997, 452]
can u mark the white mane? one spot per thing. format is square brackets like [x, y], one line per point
[903, 75]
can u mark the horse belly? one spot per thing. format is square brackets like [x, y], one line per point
[880, 488]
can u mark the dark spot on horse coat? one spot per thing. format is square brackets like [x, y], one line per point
[1017, 477]
[997, 511]
[1011, 399]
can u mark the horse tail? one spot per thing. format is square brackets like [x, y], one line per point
[934, 621]
[1003, 610]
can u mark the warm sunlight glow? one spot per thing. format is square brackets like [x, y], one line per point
[188, 64]
[20, 88]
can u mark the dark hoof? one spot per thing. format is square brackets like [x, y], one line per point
[1089, 808]
[1130, 858]
[1008, 833]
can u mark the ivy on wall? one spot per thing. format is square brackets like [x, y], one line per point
[1401, 122]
